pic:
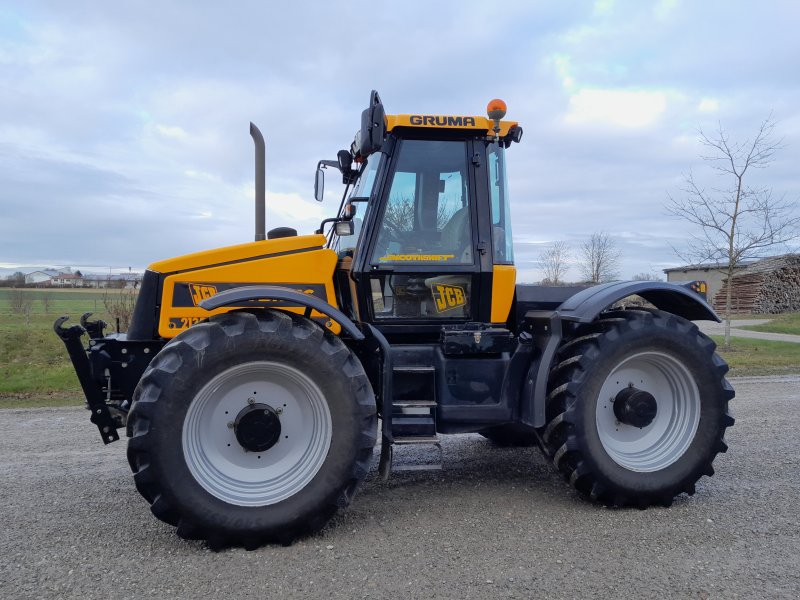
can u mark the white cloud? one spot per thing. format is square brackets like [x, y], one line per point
[616, 107]
[603, 7]
[191, 173]
[172, 131]
[708, 105]
[295, 209]
[664, 9]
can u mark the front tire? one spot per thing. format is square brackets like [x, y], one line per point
[251, 428]
[637, 408]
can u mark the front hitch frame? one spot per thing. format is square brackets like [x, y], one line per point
[93, 328]
[71, 336]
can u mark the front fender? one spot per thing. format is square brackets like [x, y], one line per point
[237, 296]
[584, 306]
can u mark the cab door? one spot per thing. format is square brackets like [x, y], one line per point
[429, 250]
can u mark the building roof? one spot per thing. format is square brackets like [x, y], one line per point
[763, 264]
[706, 267]
[48, 272]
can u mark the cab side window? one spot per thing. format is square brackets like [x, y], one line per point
[502, 245]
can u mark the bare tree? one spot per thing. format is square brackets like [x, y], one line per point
[555, 263]
[47, 302]
[736, 221]
[399, 215]
[20, 302]
[15, 280]
[600, 258]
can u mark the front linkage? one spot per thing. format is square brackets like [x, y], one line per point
[108, 370]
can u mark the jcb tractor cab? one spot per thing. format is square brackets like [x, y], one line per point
[436, 248]
[252, 377]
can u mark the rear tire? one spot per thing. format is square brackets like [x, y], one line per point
[637, 458]
[190, 452]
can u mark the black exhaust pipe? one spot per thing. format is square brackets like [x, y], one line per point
[261, 200]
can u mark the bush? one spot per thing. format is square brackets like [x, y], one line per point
[120, 306]
[20, 302]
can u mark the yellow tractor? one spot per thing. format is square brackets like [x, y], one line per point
[252, 378]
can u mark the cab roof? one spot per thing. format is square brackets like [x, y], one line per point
[460, 122]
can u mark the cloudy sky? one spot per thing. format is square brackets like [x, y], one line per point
[124, 125]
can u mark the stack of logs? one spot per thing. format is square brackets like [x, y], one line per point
[770, 286]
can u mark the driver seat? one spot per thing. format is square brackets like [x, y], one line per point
[455, 235]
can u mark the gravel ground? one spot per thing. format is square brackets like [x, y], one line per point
[495, 523]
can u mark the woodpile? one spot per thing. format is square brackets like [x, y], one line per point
[769, 286]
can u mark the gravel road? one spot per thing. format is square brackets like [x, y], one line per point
[495, 523]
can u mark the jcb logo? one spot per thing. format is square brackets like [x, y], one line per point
[200, 292]
[448, 297]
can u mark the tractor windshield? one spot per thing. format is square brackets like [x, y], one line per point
[427, 216]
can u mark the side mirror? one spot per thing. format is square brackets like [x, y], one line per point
[319, 184]
[344, 228]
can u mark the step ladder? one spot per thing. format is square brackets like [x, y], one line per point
[412, 421]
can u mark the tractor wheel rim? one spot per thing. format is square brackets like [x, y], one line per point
[670, 433]
[228, 471]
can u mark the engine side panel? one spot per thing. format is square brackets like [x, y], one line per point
[300, 263]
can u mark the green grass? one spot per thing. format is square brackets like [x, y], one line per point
[748, 357]
[34, 367]
[786, 323]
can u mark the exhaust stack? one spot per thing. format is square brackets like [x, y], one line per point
[261, 200]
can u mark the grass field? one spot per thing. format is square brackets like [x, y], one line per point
[788, 323]
[35, 369]
[748, 357]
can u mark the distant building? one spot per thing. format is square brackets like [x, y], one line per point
[53, 278]
[765, 286]
[128, 281]
[42, 278]
[67, 280]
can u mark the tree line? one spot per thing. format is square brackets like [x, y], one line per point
[598, 260]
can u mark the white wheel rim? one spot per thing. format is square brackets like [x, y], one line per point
[669, 435]
[226, 470]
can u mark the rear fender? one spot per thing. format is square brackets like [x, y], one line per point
[584, 306]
